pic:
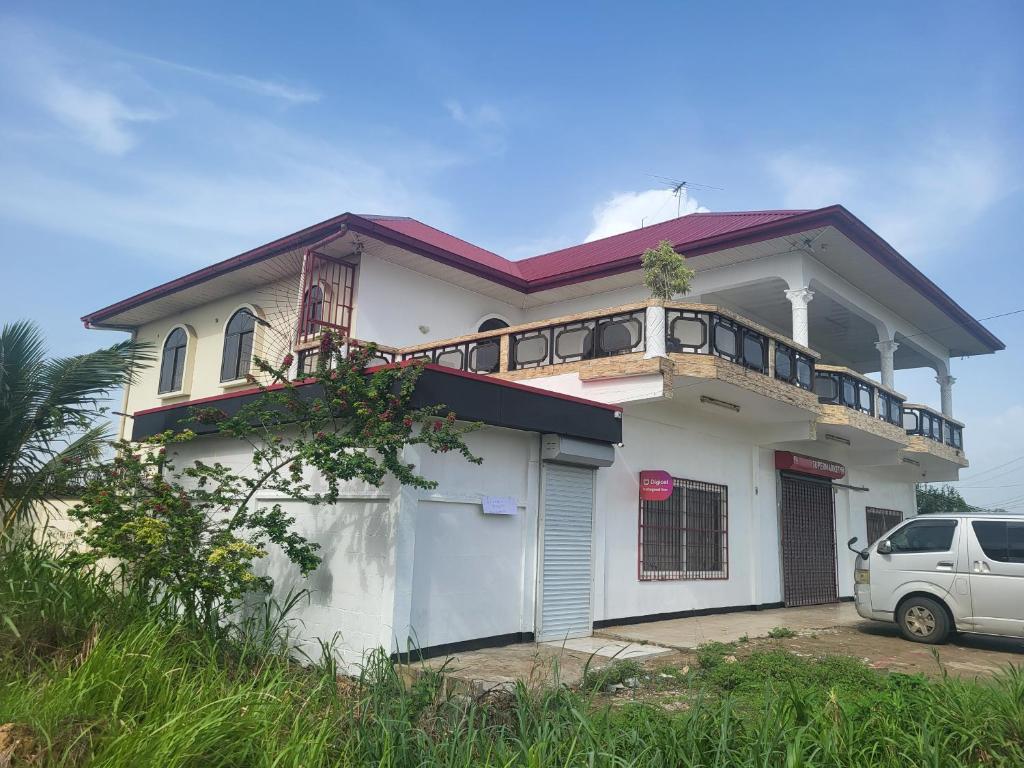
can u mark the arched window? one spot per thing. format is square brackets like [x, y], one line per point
[313, 305]
[238, 337]
[492, 324]
[172, 366]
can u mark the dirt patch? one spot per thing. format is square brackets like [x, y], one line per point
[17, 746]
[882, 647]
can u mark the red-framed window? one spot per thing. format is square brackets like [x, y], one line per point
[327, 294]
[687, 535]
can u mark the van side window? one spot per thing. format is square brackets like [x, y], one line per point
[1000, 540]
[924, 536]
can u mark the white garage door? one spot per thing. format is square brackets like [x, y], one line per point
[566, 570]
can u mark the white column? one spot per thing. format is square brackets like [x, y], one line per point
[946, 383]
[655, 346]
[800, 298]
[887, 349]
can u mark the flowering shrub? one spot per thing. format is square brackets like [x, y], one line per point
[193, 534]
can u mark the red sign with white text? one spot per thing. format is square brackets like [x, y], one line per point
[809, 465]
[655, 485]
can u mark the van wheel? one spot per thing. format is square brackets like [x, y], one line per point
[923, 620]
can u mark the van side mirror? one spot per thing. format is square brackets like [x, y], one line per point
[862, 552]
[884, 547]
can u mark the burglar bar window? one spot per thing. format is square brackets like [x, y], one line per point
[687, 535]
[881, 520]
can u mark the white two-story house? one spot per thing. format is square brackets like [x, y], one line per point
[641, 460]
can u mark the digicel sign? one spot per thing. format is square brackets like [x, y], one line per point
[655, 485]
[809, 465]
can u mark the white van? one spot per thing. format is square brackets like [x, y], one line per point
[933, 574]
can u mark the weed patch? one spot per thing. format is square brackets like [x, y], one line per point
[93, 677]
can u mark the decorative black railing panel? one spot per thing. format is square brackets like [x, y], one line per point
[794, 367]
[837, 388]
[308, 359]
[476, 356]
[587, 339]
[709, 333]
[926, 423]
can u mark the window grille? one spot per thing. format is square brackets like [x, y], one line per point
[881, 520]
[687, 535]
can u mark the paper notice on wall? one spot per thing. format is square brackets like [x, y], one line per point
[499, 505]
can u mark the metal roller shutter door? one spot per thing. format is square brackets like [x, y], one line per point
[567, 572]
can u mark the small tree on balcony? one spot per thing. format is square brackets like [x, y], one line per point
[192, 534]
[665, 272]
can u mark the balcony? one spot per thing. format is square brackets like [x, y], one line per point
[936, 441]
[691, 343]
[854, 405]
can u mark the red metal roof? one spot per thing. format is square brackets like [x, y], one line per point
[694, 234]
[438, 239]
[680, 232]
[614, 249]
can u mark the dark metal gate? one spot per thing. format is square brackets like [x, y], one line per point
[808, 521]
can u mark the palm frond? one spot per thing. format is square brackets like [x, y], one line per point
[49, 410]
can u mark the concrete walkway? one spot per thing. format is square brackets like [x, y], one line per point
[684, 634]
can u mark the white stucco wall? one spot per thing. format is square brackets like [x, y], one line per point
[400, 563]
[473, 573]
[393, 301]
[655, 440]
[352, 592]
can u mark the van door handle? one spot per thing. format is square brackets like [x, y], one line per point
[944, 565]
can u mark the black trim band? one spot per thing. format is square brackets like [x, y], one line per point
[463, 646]
[472, 398]
[603, 623]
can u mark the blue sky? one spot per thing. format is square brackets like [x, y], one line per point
[140, 141]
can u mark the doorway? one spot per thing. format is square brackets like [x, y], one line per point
[808, 529]
[567, 528]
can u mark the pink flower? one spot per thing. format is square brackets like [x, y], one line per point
[288, 360]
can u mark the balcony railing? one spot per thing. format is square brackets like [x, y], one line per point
[308, 358]
[689, 329]
[713, 333]
[840, 386]
[586, 338]
[696, 329]
[923, 421]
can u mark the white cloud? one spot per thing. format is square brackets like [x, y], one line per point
[215, 175]
[811, 182]
[294, 94]
[97, 117]
[631, 210]
[483, 116]
[485, 123]
[918, 201]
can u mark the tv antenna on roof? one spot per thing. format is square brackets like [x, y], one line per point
[680, 187]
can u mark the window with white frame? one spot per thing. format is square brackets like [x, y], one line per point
[685, 536]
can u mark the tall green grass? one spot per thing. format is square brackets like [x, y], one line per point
[93, 677]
